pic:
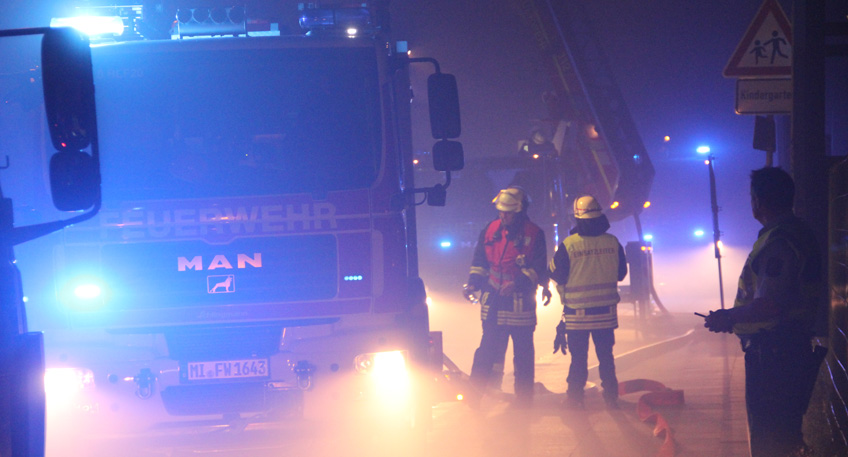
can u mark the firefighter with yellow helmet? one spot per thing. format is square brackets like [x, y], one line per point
[508, 266]
[587, 266]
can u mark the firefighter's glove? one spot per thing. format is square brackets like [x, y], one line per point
[469, 293]
[546, 294]
[560, 341]
[719, 321]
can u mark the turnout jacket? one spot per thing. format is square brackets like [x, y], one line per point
[508, 265]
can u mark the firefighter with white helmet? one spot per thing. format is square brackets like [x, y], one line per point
[509, 265]
[586, 207]
[587, 266]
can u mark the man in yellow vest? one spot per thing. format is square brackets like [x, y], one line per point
[587, 266]
[509, 265]
[774, 315]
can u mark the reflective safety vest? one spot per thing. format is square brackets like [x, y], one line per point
[802, 243]
[593, 272]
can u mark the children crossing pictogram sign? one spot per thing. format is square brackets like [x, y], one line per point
[766, 48]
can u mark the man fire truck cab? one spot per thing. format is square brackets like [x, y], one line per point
[255, 254]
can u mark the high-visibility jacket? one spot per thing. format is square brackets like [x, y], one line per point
[590, 294]
[593, 271]
[799, 297]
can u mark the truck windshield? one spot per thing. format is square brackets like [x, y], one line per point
[186, 120]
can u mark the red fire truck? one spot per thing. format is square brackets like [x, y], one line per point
[255, 254]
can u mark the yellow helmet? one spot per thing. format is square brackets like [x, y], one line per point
[586, 207]
[510, 200]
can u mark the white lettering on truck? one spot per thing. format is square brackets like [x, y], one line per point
[226, 222]
[219, 261]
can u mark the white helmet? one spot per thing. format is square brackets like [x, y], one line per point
[511, 200]
[586, 207]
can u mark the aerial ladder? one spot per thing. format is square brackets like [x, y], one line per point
[591, 145]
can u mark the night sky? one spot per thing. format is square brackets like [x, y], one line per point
[667, 57]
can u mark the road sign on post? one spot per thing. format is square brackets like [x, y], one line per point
[765, 50]
[763, 96]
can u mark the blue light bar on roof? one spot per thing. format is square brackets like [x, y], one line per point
[91, 25]
[336, 20]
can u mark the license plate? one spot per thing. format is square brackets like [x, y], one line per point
[227, 369]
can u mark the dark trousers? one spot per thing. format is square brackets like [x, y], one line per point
[578, 372]
[491, 351]
[779, 377]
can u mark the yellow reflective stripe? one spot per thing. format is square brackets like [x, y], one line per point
[590, 287]
[592, 300]
[522, 314]
[582, 321]
[594, 318]
[591, 326]
[510, 318]
[517, 323]
[479, 271]
[484, 309]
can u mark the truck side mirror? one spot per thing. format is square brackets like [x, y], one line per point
[70, 107]
[74, 181]
[68, 88]
[448, 156]
[443, 99]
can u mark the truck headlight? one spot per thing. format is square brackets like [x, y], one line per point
[381, 363]
[389, 372]
[63, 385]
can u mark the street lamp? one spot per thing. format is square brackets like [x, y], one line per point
[714, 205]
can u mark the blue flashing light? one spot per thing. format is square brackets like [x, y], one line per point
[703, 150]
[91, 25]
[87, 291]
[339, 19]
[353, 278]
[699, 233]
[445, 244]
[648, 237]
